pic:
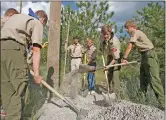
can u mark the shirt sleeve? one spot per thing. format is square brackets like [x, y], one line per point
[37, 33]
[133, 38]
[115, 53]
[115, 49]
[82, 49]
[93, 56]
[3, 20]
[69, 48]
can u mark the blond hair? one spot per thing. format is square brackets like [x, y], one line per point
[90, 39]
[130, 23]
[42, 14]
[106, 28]
[10, 12]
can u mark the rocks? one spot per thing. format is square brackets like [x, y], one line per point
[98, 106]
[98, 110]
[127, 111]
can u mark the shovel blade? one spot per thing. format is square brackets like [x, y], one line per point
[82, 114]
[86, 68]
[109, 98]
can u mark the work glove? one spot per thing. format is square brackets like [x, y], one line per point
[45, 45]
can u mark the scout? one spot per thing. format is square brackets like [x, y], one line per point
[91, 61]
[16, 34]
[149, 69]
[77, 51]
[111, 46]
[9, 12]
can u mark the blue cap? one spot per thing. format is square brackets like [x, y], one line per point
[31, 13]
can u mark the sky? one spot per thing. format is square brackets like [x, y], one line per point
[123, 10]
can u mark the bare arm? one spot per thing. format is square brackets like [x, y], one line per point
[112, 62]
[128, 49]
[36, 64]
[36, 60]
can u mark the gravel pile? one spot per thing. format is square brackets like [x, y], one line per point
[98, 109]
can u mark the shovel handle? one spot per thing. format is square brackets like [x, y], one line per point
[109, 66]
[60, 96]
[49, 87]
[57, 94]
[105, 72]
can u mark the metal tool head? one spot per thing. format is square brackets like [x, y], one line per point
[109, 98]
[83, 93]
[86, 68]
[82, 114]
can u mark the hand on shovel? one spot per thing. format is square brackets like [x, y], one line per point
[92, 69]
[124, 61]
[105, 69]
[38, 79]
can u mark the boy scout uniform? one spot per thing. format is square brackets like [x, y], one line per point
[112, 49]
[149, 69]
[16, 34]
[76, 55]
[91, 56]
[30, 57]
[2, 22]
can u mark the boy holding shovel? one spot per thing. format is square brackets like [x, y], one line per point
[111, 46]
[14, 67]
[149, 69]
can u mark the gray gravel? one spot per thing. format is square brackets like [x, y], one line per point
[96, 105]
[98, 110]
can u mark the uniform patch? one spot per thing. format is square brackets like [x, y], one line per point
[132, 35]
[114, 49]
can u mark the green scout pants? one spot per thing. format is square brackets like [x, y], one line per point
[113, 76]
[149, 75]
[14, 78]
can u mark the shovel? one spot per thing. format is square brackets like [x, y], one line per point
[86, 68]
[108, 88]
[80, 113]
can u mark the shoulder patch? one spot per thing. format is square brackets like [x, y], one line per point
[132, 35]
[113, 49]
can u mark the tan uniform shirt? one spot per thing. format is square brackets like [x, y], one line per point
[91, 54]
[3, 20]
[113, 47]
[141, 41]
[76, 50]
[24, 29]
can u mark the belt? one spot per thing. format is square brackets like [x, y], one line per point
[76, 57]
[11, 39]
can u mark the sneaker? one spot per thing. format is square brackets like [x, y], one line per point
[89, 93]
[93, 92]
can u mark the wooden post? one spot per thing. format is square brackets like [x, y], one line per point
[54, 45]
[66, 45]
[20, 6]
